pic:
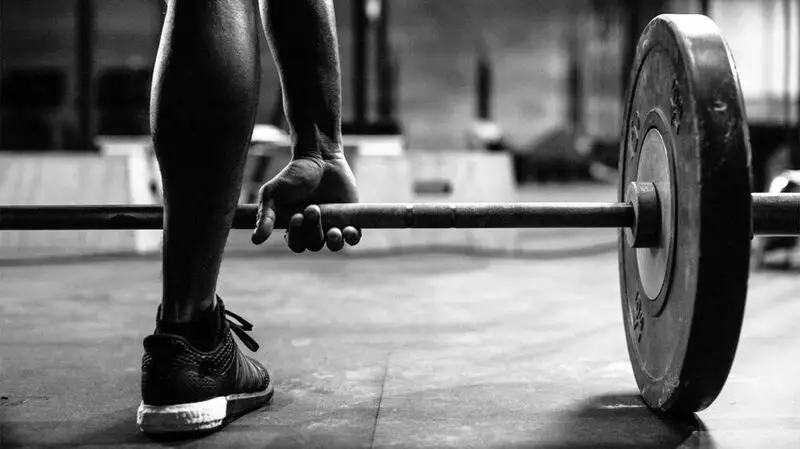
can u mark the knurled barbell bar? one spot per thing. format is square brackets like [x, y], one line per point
[685, 211]
[773, 214]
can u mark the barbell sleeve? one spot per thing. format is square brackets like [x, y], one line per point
[776, 214]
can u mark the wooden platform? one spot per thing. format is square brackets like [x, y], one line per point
[72, 179]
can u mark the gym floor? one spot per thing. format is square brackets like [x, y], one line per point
[408, 351]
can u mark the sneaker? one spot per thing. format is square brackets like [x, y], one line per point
[189, 391]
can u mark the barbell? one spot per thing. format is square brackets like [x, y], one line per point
[686, 214]
[773, 214]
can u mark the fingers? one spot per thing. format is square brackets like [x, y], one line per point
[351, 235]
[305, 231]
[334, 239]
[291, 186]
[265, 220]
[294, 234]
[312, 227]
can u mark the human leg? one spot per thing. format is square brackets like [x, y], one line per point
[204, 99]
[205, 88]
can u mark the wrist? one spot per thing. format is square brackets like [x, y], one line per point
[321, 148]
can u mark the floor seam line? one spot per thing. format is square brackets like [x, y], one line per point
[380, 401]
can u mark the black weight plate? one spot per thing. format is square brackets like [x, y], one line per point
[682, 333]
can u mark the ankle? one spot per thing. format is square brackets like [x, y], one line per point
[202, 328]
[186, 312]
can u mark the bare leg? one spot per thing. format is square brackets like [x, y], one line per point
[204, 98]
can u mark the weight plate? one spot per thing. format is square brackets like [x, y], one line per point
[685, 130]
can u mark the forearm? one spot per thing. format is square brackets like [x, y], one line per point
[302, 36]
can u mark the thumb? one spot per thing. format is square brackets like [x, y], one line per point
[265, 217]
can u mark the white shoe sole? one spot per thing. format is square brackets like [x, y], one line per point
[198, 416]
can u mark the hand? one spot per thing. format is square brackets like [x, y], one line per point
[301, 185]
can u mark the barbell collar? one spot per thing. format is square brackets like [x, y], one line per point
[646, 229]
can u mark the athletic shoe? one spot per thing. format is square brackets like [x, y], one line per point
[186, 390]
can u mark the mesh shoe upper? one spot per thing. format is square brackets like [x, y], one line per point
[174, 372]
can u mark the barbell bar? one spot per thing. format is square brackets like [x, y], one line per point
[361, 215]
[773, 214]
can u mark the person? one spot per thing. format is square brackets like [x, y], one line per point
[203, 105]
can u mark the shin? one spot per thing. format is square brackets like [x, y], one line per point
[203, 105]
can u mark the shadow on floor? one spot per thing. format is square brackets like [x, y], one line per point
[351, 427]
[623, 421]
[112, 429]
[609, 421]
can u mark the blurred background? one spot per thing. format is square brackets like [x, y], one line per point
[537, 85]
[75, 69]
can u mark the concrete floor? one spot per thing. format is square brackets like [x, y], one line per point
[421, 350]
[412, 351]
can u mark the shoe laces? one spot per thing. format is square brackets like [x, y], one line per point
[241, 328]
